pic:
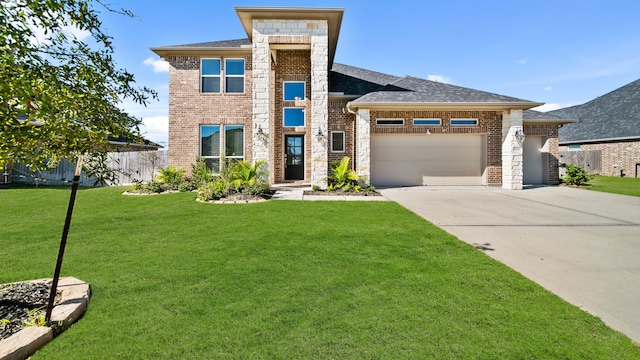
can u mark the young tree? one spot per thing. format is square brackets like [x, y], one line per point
[59, 93]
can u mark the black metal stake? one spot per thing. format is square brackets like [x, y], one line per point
[63, 241]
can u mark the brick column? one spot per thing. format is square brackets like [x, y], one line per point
[511, 150]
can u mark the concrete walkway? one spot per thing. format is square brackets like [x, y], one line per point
[582, 245]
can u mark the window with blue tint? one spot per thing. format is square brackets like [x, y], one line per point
[574, 147]
[464, 122]
[210, 146]
[293, 116]
[436, 122]
[210, 76]
[234, 75]
[294, 90]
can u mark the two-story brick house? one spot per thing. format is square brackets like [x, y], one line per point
[278, 96]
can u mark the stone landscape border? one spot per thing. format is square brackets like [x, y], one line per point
[74, 299]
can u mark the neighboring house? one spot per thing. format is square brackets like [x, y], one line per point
[278, 96]
[607, 132]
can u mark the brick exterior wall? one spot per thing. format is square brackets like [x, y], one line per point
[340, 120]
[550, 133]
[489, 123]
[616, 156]
[292, 65]
[189, 108]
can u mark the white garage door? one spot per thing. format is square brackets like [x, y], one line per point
[533, 169]
[447, 159]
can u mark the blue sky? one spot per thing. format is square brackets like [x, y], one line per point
[561, 52]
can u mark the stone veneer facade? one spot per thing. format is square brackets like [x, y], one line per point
[286, 37]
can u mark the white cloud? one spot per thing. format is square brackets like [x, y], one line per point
[156, 129]
[39, 37]
[522, 61]
[548, 107]
[548, 88]
[158, 65]
[440, 78]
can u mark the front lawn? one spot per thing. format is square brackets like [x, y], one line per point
[616, 185]
[173, 278]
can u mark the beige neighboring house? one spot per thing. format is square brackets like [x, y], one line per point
[606, 137]
[278, 96]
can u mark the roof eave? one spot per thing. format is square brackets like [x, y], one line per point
[549, 121]
[497, 106]
[165, 51]
[625, 138]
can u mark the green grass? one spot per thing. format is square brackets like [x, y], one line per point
[173, 278]
[616, 185]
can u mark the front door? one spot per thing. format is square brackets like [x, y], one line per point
[294, 157]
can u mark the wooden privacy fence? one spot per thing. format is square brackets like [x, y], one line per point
[590, 160]
[129, 166]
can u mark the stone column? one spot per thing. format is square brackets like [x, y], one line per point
[512, 164]
[261, 63]
[319, 109]
[363, 144]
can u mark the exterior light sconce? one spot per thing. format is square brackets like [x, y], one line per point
[428, 132]
[519, 136]
[261, 135]
[319, 135]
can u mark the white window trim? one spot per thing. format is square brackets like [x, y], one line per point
[304, 116]
[463, 119]
[221, 150]
[344, 142]
[224, 75]
[394, 119]
[430, 119]
[304, 90]
[212, 76]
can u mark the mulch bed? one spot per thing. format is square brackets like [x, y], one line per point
[17, 300]
[341, 193]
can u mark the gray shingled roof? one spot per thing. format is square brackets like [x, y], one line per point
[352, 80]
[612, 116]
[533, 115]
[213, 44]
[410, 89]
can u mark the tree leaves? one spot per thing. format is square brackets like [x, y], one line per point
[59, 94]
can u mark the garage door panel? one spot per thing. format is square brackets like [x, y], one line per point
[398, 160]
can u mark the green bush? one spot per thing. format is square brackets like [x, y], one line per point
[171, 176]
[576, 175]
[213, 190]
[201, 173]
[342, 177]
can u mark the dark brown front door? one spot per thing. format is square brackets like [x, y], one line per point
[294, 157]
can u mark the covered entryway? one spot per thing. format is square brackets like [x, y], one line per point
[435, 159]
[534, 160]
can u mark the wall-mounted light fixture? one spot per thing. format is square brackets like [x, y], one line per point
[261, 135]
[428, 132]
[519, 136]
[320, 135]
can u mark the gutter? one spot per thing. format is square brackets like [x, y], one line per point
[442, 105]
[595, 141]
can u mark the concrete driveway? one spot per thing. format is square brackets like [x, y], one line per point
[582, 245]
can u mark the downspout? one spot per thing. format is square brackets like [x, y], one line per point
[347, 108]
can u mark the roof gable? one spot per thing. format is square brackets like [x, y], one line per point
[613, 116]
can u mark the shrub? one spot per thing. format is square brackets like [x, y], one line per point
[576, 175]
[213, 190]
[201, 173]
[342, 177]
[243, 174]
[171, 177]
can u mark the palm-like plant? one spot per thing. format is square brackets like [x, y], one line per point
[342, 175]
[245, 175]
[171, 176]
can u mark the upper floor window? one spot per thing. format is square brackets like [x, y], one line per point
[389, 121]
[464, 122]
[211, 73]
[234, 75]
[210, 76]
[436, 122]
[293, 116]
[294, 90]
